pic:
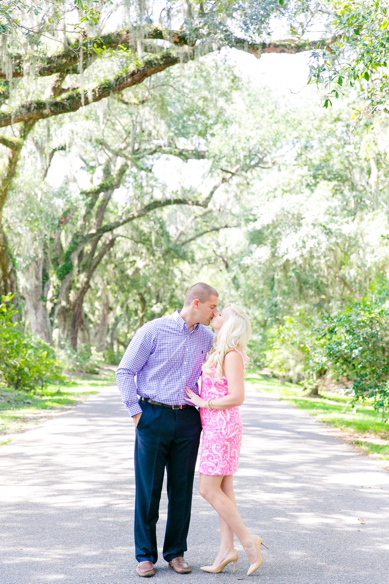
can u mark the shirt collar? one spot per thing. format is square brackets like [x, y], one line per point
[181, 322]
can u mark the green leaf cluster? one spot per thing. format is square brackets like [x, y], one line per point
[356, 344]
[26, 363]
[358, 56]
[351, 344]
[295, 350]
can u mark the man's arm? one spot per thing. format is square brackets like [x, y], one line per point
[134, 359]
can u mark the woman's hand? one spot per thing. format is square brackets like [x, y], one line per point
[195, 399]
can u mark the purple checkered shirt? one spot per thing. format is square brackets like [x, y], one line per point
[162, 359]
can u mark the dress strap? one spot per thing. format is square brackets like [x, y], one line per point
[243, 358]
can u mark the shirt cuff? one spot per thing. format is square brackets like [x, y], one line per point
[134, 409]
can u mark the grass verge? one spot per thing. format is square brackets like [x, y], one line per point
[22, 410]
[360, 425]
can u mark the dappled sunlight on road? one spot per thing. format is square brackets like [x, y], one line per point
[311, 498]
[322, 508]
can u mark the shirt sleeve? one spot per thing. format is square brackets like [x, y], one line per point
[134, 359]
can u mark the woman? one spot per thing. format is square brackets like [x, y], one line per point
[222, 391]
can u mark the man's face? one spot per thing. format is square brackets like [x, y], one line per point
[207, 310]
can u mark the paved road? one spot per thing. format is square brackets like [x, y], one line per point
[67, 495]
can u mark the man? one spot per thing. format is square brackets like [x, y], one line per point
[166, 356]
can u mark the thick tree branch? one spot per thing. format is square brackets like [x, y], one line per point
[347, 285]
[59, 148]
[211, 230]
[144, 211]
[12, 143]
[68, 60]
[185, 226]
[38, 110]
[288, 46]
[133, 101]
[11, 164]
[183, 153]
[92, 47]
[111, 183]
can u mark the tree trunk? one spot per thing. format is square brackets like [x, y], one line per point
[112, 334]
[142, 314]
[101, 333]
[76, 318]
[77, 312]
[84, 330]
[8, 277]
[35, 291]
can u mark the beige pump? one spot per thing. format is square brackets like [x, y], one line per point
[232, 558]
[258, 542]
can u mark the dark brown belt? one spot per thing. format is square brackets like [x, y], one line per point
[155, 403]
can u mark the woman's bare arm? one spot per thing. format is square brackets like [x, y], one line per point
[234, 372]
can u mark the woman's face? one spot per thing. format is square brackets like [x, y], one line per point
[217, 321]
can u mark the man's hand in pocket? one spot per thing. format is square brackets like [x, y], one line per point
[136, 419]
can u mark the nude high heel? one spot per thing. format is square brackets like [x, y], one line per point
[231, 558]
[258, 542]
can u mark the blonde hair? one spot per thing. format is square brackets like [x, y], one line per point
[234, 335]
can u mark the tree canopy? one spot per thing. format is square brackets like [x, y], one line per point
[136, 158]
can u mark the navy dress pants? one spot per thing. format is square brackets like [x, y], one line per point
[165, 438]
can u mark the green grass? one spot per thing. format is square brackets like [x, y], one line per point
[382, 450]
[21, 410]
[363, 426]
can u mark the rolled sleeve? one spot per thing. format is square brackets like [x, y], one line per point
[134, 359]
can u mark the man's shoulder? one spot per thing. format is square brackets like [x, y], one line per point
[152, 325]
[158, 324]
[149, 328]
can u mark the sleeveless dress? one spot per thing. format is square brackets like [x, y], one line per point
[222, 430]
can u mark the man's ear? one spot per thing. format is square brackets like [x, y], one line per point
[196, 303]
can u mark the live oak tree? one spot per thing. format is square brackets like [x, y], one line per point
[59, 57]
[65, 233]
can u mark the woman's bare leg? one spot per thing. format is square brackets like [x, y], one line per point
[226, 533]
[210, 489]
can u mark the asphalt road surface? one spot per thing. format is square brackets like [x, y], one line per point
[67, 497]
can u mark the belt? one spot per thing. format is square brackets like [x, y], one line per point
[155, 403]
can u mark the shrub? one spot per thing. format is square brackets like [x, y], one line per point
[26, 363]
[295, 352]
[112, 358]
[357, 346]
[85, 360]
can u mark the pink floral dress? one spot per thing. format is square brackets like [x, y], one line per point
[222, 430]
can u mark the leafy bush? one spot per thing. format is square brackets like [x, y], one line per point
[26, 363]
[351, 344]
[295, 350]
[112, 358]
[357, 346]
[85, 360]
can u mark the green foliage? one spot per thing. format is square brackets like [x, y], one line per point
[294, 351]
[111, 357]
[26, 363]
[357, 346]
[349, 344]
[85, 360]
[359, 56]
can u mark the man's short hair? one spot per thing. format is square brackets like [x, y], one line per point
[200, 291]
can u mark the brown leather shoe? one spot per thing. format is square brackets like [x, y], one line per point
[145, 569]
[180, 566]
